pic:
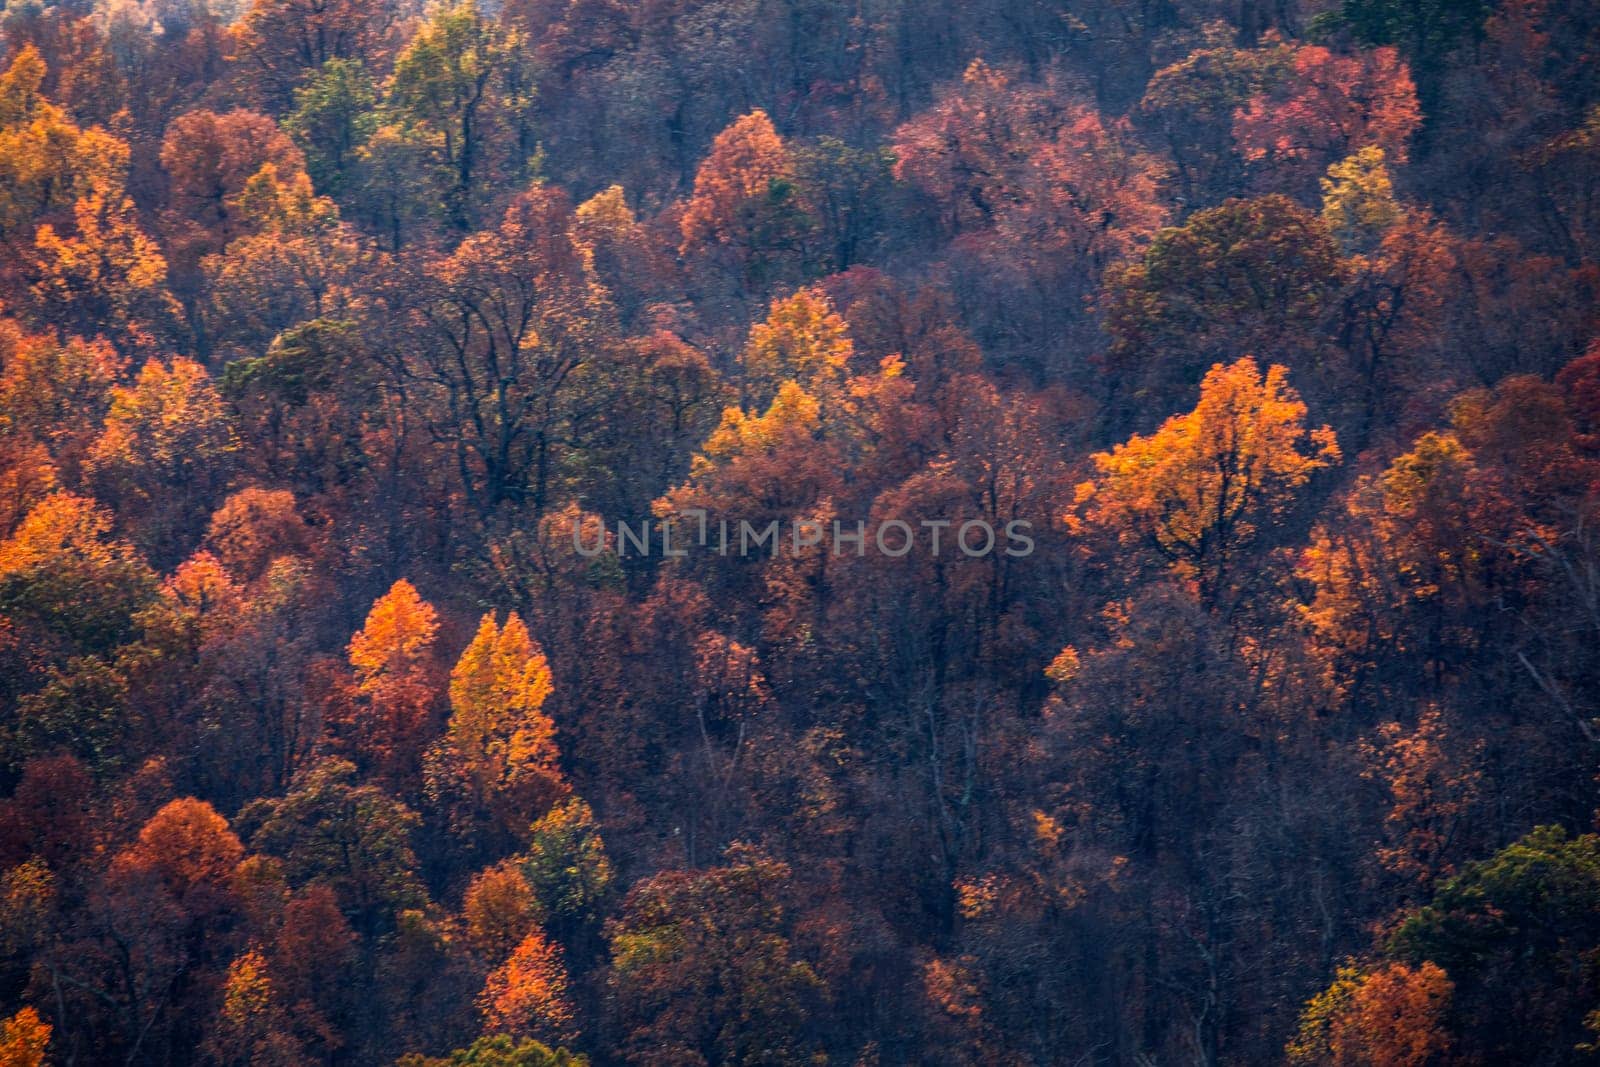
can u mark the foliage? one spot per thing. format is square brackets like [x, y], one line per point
[527, 994]
[24, 1039]
[752, 532]
[500, 1050]
[1203, 484]
[1254, 276]
[719, 934]
[1490, 968]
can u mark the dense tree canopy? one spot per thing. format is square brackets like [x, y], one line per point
[693, 532]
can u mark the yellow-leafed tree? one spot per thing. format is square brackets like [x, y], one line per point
[499, 758]
[803, 339]
[1202, 485]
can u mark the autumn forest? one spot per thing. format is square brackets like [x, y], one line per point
[367, 365]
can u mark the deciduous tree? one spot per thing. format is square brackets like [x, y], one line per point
[694, 948]
[24, 1039]
[454, 90]
[1326, 108]
[498, 759]
[503, 329]
[354, 838]
[527, 994]
[165, 455]
[746, 211]
[1250, 275]
[62, 571]
[390, 712]
[1204, 485]
[286, 44]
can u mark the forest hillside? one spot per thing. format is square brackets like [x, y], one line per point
[541, 533]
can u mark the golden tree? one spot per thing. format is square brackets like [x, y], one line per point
[66, 215]
[165, 455]
[253, 1025]
[1201, 486]
[104, 274]
[1358, 201]
[46, 160]
[804, 340]
[499, 755]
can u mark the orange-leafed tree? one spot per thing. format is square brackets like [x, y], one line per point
[745, 159]
[746, 211]
[499, 910]
[194, 853]
[166, 454]
[66, 218]
[27, 476]
[254, 527]
[527, 994]
[383, 721]
[807, 412]
[165, 909]
[1400, 559]
[954, 992]
[396, 638]
[210, 158]
[56, 392]
[1203, 486]
[24, 1039]
[101, 274]
[743, 451]
[1432, 781]
[1393, 1016]
[1409, 570]
[67, 582]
